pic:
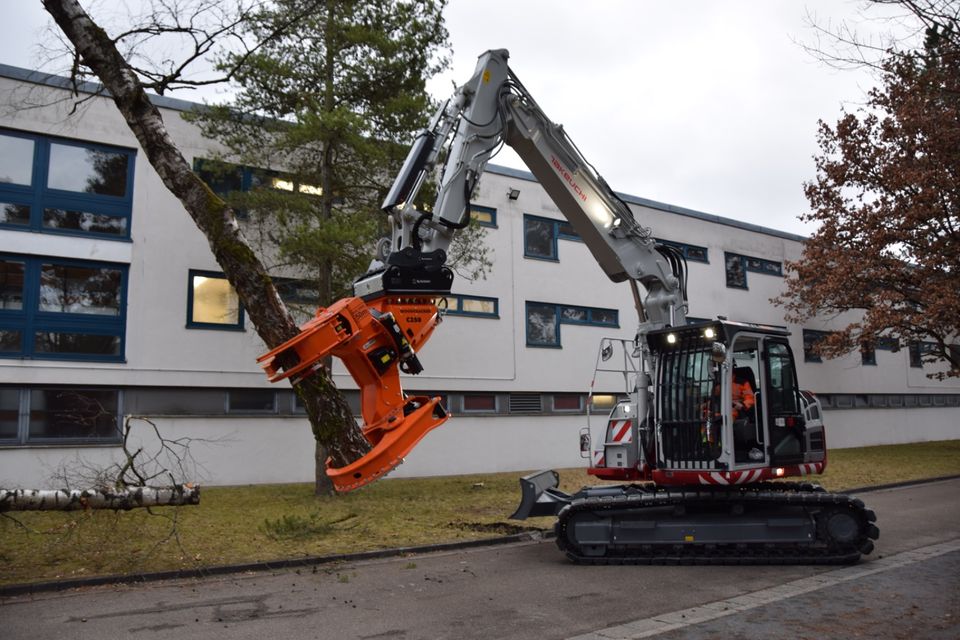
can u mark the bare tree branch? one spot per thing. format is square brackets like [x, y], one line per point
[330, 415]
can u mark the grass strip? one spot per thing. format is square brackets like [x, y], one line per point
[272, 522]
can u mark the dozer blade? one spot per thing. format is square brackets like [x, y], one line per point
[425, 414]
[539, 496]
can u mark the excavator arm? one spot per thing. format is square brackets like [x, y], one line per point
[378, 332]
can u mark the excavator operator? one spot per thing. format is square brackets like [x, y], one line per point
[742, 400]
[742, 396]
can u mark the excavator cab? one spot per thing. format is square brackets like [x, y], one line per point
[725, 401]
[728, 400]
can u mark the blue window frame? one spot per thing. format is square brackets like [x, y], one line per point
[738, 265]
[810, 340]
[54, 185]
[462, 305]
[540, 237]
[61, 309]
[483, 216]
[691, 252]
[212, 302]
[759, 265]
[918, 350]
[226, 178]
[543, 320]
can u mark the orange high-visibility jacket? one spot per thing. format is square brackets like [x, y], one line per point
[741, 392]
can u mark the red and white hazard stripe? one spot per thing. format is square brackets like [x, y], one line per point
[810, 468]
[732, 477]
[618, 431]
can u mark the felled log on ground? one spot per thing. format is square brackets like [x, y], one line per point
[116, 499]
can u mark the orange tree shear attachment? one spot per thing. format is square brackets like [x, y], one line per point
[375, 340]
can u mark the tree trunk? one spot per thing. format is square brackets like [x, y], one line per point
[74, 500]
[330, 416]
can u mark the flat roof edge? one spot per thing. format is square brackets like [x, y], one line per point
[93, 88]
[662, 206]
[60, 82]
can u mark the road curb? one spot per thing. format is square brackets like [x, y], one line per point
[898, 485]
[227, 569]
[313, 561]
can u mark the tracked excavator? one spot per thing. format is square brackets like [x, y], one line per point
[711, 421]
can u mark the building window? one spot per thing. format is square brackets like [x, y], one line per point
[691, 252]
[603, 401]
[868, 355]
[544, 320]
[736, 272]
[479, 403]
[737, 266]
[567, 402]
[17, 152]
[212, 302]
[50, 185]
[919, 349]
[769, 267]
[223, 178]
[58, 309]
[484, 216]
[461, 305]
[916, 356]
[540, 236]
[226, 179]
[810, 340]
[59, 415]
[251, 401]
[543, 326]
[300, 296]
[9, 414]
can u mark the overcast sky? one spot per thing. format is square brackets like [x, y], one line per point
[705, 104]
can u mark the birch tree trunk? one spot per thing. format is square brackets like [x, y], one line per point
[75, 500]
[330, 417]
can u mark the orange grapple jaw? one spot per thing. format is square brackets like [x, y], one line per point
[373, 339]
[393, 447]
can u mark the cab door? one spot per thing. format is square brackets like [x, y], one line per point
[782, 404]
[748, 426]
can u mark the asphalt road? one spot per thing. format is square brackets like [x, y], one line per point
[909, 587]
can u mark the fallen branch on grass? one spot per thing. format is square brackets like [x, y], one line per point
[116, 499]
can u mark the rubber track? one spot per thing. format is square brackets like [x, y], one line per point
[774, 494]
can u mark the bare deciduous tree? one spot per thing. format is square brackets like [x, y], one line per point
[330, 417]
[886, 199]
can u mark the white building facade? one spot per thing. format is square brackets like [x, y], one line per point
[111, 305]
